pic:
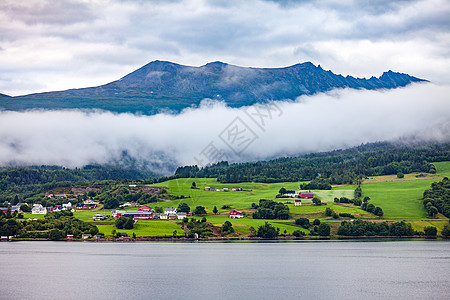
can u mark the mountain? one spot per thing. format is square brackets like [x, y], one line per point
[162, 85]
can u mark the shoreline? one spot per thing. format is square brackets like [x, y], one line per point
[236, 239]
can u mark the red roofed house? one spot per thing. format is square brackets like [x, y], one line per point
[145, 208]
[236, 214]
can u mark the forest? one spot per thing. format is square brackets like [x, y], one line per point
[334, 167]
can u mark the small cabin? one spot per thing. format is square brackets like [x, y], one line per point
[235, 214]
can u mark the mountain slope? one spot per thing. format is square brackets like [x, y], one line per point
[163, 85]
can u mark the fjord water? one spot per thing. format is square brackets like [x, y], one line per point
[235, 270]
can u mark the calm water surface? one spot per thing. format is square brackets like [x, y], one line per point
[238, 270]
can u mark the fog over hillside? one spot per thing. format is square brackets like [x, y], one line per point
[339, 119]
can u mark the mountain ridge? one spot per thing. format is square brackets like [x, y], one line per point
[163, 85]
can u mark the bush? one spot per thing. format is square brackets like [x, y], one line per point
[400, 175]
[227, 227]
[346, 215]
[328, 212]
[370, 208]
[56, 234]
[124, 223]
[267, 231]
[316, 201]
[316, 222]
[430, 231]
[378, 211]
[324, 229]
[297, 233]
[200, 210]
[446, 230]
[304, 222]
[183, 207]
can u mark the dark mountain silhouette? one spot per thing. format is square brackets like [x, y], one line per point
[162, 85]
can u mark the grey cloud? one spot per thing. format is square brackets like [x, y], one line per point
[47, 12]
[73, 37]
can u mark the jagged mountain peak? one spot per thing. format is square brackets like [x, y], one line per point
[161, 85]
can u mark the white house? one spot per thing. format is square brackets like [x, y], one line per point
[67, 205]
[181, 215]
[298, 202]
[163, 216]
[38, 209]
[98, 217]
[170, 210]
[290, 194]
[90, 201]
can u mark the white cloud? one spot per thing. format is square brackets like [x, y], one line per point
[341, 118]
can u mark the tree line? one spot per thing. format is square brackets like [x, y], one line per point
[437, 199]
[334, 167]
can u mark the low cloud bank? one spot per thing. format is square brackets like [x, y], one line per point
[339, 119]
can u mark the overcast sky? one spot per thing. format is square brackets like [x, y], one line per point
[55, 45]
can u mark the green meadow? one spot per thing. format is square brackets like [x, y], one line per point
[443, 168]
[252, 193]
[419, 225]
[243, 225]
[146, 228]
[401, 199]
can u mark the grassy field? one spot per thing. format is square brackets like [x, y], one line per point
[419, 225]
[146, 228]
[31, 216]
[243, 225]
[252, 193]
[442, 168]
[401, 198]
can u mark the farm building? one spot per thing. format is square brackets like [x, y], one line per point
[38, 209]
[117, 213]
[170, 210]
[306, 195]
[236, 189]
[163, 216]
[290, 194]
[181, 216]
[235, 214]
[298, 202]
[141, 215]
[225, 189]
[98, 217]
